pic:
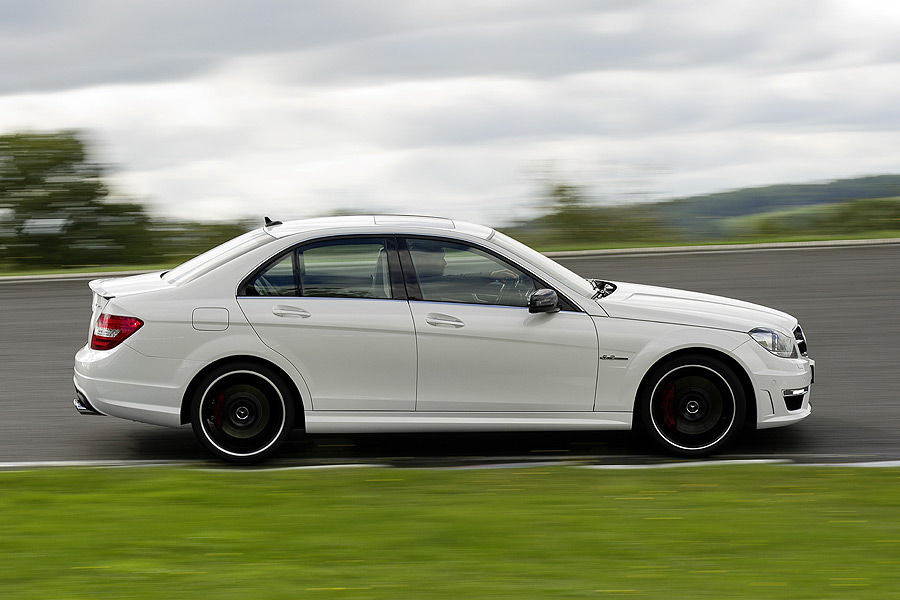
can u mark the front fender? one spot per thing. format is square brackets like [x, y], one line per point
[642, 344]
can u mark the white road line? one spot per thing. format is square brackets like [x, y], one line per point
[41, 464]
[228, 468]
[878, 464]
[698, 463]
[205, 465]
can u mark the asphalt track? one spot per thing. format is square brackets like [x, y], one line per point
[845, 297]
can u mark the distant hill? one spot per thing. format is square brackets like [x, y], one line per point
[844, 206]
[757, 200]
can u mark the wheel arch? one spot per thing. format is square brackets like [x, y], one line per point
[192, 386]
[739, 370]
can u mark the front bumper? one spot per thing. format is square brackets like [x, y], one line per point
[782, 385]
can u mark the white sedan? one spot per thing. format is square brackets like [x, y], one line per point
[396, 323]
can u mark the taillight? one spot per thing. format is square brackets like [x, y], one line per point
[112, 330]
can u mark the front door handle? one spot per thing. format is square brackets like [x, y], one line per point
[439, 320]
[290, 312]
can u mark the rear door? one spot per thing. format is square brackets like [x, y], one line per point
[336, 309]
[479, 348]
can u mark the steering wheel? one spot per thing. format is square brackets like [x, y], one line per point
[266, 285]
[505, 287]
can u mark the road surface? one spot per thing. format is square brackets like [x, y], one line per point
[847, 299]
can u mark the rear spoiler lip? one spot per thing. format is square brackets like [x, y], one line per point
[96, 286]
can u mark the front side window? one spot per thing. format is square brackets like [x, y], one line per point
[454, 272]
[353, 268]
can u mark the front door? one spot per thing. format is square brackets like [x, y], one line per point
[479, 349]
[329, 308]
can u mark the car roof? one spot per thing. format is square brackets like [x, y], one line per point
[361, 223]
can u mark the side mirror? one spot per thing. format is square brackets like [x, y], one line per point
[543, 301]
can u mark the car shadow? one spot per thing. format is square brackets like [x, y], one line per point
[455, 449]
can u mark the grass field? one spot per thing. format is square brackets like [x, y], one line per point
[763, 531]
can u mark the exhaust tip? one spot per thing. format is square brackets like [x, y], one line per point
[83, 406]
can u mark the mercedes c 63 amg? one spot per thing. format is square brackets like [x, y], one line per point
[397, 323]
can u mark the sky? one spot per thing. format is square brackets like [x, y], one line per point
[220, 109]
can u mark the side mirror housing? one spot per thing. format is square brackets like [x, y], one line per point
[543, 301]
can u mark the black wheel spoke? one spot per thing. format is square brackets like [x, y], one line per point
[242, 413]
[693, 407]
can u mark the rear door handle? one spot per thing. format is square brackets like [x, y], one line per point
[290, 312]
[439, 320]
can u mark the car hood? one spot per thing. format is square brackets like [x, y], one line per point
[667, 305]
[126, 286]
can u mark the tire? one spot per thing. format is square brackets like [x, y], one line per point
[242, 412]
[692, 405]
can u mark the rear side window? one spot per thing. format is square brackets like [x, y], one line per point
[346, 268]
[218, 256]
[353, 268]
[276, 280]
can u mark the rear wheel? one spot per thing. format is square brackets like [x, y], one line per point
[692, 405]
[242, 412]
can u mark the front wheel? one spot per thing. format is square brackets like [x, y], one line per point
[242, 412]
[692, 405]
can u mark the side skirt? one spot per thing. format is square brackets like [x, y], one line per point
[319, 421]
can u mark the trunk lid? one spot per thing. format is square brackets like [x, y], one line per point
[116, 287]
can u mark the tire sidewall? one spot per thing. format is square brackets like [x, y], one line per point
[287, 394]
[660, 371]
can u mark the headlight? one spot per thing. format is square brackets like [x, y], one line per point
[776, 342]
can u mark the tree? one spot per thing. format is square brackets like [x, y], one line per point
[55, 206]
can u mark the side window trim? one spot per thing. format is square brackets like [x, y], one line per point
[298, 283]
[397, 283]
[410, 279]
[414, 292]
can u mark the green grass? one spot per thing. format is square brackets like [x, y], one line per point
[561, 532]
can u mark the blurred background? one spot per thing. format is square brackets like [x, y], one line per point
[142, 133]
[134, 135]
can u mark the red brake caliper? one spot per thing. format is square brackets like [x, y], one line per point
[668, 405]
[218, 409]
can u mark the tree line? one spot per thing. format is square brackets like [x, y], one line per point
[57, 210]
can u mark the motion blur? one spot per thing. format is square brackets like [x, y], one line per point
[635, 141]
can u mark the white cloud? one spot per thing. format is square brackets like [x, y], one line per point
[456, 108]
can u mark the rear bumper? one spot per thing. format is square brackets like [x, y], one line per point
[153, 395]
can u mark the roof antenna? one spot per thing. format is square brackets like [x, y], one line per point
[271, 223]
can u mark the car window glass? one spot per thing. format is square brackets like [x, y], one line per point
[218, 256]
[546, 264]
[345, 269]
[276, 280]
[453, 272]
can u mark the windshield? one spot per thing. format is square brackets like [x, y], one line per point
[550, 266]
[218, 256]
